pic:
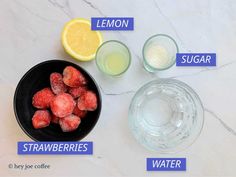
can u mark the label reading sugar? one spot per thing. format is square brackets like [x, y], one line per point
[166, 164]
[195, 59]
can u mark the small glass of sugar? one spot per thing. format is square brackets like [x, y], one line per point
[159, 52]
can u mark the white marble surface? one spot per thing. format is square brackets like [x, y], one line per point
[30, 33]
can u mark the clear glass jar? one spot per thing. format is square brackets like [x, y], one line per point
[113, 58]
[166, 115]
[159, 52]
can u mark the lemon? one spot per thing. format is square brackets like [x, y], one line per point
[79, 40]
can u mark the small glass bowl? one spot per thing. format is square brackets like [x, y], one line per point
[166, 115]
[162, 45]
[113, 58]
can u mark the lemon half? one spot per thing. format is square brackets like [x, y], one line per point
[79, 40]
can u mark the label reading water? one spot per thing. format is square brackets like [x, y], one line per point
[195, 59]
[112, 23]
[166, 164]
[65, 148]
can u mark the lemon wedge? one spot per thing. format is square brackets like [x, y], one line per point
[79, 40]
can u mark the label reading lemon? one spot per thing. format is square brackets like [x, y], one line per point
[79, 40]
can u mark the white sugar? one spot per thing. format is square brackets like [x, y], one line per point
[157, 56]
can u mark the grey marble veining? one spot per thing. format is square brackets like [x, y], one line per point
[30, 33]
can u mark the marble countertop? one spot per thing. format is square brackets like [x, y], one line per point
[30, 33]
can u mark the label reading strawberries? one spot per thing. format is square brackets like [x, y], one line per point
[63, 148]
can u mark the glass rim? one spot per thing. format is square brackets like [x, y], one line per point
[201, 120]
[159, 35]
[114, 41]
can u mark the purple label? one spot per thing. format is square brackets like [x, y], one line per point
[112, 23]
[65, 148]
[195, 59]
[166, 164]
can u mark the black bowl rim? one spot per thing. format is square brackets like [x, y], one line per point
[49, 61]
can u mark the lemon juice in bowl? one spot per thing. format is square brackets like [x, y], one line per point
[113, 58]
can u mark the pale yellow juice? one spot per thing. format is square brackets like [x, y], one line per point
[113, 58]
[115, 63]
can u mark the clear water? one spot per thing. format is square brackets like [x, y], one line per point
[156, 111]
[164, 116]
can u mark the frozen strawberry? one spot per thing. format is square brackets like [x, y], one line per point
[57, 84]
[76, 91]
[72, 77]
[42, 98]
[41, 119]
[55, 119]
[69, 123]
[87, 101]
[62, 105]
[79, 113]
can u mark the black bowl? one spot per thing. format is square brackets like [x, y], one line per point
[36, 79]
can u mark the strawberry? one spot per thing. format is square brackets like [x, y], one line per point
[41, 119]
[57, 84]
[79, 113]
[69, 123]
[43, 98]
[87, 101]
[62, 105]
[76, 91]
[72, 77]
